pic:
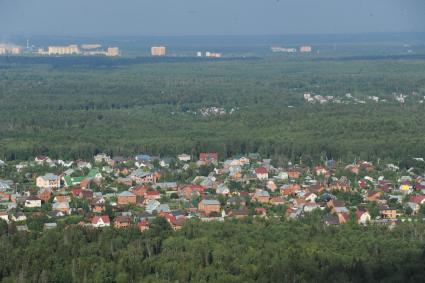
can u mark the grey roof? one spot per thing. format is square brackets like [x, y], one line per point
[62, 205]
[50, 177]
[126, 194]
[4, 186]
[163, 208]
[262, 193]
[140, 173]
[166, 185]
[211, 202]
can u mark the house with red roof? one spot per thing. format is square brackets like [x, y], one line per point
[143, 225]
[208, 157]
[101, 221]
[419, 199]
[363, 216]
[152, 195]
[261, 173]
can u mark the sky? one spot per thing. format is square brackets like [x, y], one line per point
[209, 17]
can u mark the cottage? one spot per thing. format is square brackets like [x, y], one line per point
[152, 205]
[50, 226]
[387, 213]
[4, 216]
[149, 195]
[209, 206]
[44, 194]
[122, 222]
[101, 221]
[261, 173]
[208, 157]
[372, 196]
[48, 181]
[143, 225]
[184, 157]
[142, 177]
[261, 196]
[127, 197]
[102, 157]
[363, 217]
[32, 202]
[61, 206]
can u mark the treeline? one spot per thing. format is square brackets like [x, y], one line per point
[251, 250]
[75, 112]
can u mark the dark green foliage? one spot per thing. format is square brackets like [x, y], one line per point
[75, 112]
[235, 251]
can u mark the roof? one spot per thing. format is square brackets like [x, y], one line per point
[417, 199]
[140, 173]
[61, 204]
[50, 177]
[210, 202]
[104, 218]
[262, 193]
[261, 170]
[205, 156]
[126, 194]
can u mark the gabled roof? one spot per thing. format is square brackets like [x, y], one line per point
[261, 170]
[105, 219]
[126, 194]
[210, 202]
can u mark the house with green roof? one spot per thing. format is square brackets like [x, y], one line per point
[74, 181]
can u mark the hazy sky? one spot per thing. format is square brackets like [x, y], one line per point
[209, 17]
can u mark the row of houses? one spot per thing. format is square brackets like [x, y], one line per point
[124, 192]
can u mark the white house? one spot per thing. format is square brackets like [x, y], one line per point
[48, 181]
[261, 173]
[4, 216]
[363, 217]
[33, 202]
[101, 221]
[184, 157]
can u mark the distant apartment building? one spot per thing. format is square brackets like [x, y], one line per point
[212, 55]
[113, 51]
[6, 49]
[91, 46]
[158, 50]
[64, 50]
[276, 49]
[306, 49]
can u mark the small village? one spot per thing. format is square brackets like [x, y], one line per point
[126, 192]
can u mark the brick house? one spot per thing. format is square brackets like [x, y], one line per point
[209, 206]
[122, 221]
[127, 197]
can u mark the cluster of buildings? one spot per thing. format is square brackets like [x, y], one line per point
[348, 98]
[302, 49]
[133, 191]
[208, 54]
[85, 49]
[10, 49]
[158, 50]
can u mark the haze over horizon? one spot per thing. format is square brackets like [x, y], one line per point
[209, 17]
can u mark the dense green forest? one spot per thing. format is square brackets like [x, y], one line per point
[252, 250]
[73, 110]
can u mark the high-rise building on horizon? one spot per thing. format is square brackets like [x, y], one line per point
[158, 50]
[305, 49]
[113, 51]
[64, 50]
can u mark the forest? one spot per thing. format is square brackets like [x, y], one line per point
[250, 250]
[70, 108]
